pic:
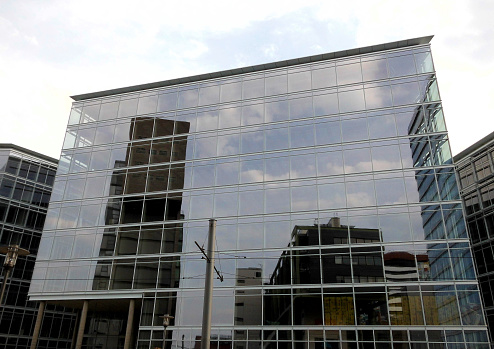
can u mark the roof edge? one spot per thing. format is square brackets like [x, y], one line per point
[28, 152]
[232, 72]
[474, 147]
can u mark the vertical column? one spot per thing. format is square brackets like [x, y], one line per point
[82, 325]
[130, 320]
[37, 326]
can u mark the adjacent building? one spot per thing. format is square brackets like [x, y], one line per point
[339, 220]
[475, 169]
[26, 180]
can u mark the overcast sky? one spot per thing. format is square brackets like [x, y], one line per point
[50, 50]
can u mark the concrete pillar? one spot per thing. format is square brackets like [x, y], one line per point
[82, 325]
[130, 321]
[37, 326]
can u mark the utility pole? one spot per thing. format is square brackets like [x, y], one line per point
[208, 286]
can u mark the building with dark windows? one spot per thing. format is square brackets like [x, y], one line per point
[339, 220]
[26, 180]
[476, 169]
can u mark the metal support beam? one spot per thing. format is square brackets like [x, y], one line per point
[82, 325]
[37, 326]
[130, 321]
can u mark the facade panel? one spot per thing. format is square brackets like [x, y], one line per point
[26, 180]
[339, 218]
[475, 169]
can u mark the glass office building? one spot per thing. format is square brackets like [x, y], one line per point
[476, 168]
[339, 221]
[26, 180]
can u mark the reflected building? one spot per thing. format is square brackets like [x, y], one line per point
[475, 168]
[354, 141]
[26, 181]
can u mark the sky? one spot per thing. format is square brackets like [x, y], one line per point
[51, 50]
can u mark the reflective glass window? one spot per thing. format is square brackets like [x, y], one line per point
[329, 163]
[357, 160]
[188, 98]
[228, 144]
[225, 204]
[90, 113]
[209, 95]
[351, 101]
[374, 70]
[323, 77]
[423, 61]
[277, 168]
[301, 108]
[127, 107]
[378, 97]
[276, 138]
[147, 104]
[253, 88]
[205, 147]
[276, 85]
[251, 171]
[277, 200]
[167, 101]
[299, 81]
[354, 129]
[325, 104]
[227, 173]
[382, 126]
[207, 120]
[75, 115]
[164, 126]
[277, 111]
[302, 166]
[123, 132]
[406, 93]
[104, 134]
[302, 136]
[231, 92]
[252, 114]
[401, 66]
[229, 117]
[108, 111]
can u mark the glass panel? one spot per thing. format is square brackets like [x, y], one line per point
[360, 194]
[276, 85]
[207, 120]
[277, 111]
[229, 117]
[349, 74]
[304, 198]
[302, 166]
[277, 169]
[123, 132]
[401, 66]
[227, 173]
[302, 136]
[351, 101]
[277, 200]
[329, 163]
[386, 158]
[382, 126]
[228, 144]
[276, 138]
[127, 107]
[253, 88]
[205, 147]
[231, 92]
[324, 77]
[209, 95]
[374, 70]
[299, 81]
[147, 105]
[108, 111]
[104, 134]
[203, 176]
[378, 97]
[252, 114]
[301, 108]
[75, 115]
[354, 129]
[225, 204]
[187, 98]
[251, 171]
[143, 127]
[424, 62]
[164, 127]
[160, 151]
[326, 104]
[90, 113]
[406, 93]
[252, 142]
[246, 198]
[167, 101]
[357, 160]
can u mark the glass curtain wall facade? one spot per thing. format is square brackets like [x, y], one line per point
[26, 180]
[476, 168]
[339, 221]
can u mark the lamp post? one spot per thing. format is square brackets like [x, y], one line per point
[166, 323]
[11, 253]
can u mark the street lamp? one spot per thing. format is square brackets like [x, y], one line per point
[166, 323]
[11, 253]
